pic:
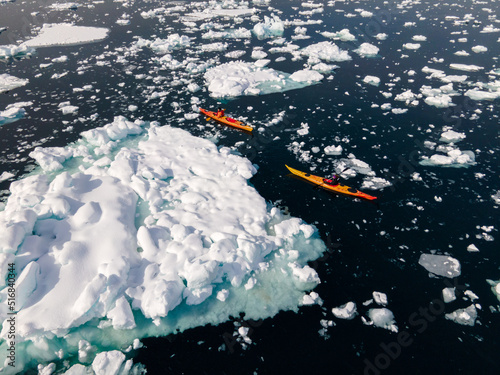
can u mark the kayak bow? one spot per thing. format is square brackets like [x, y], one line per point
[340, 188]
[226, 120]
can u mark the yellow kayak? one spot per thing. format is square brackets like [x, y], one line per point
[338, 188]
[226, 120]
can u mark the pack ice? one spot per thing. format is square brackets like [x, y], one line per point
[140, 230]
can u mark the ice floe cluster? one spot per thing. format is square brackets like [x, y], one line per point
[127, 242]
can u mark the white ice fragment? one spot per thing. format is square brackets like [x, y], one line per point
[451, 136]
[465, 67]
[8, 82]
[371, 80]
[449, 295]
[383, 318]
[333, 150]
[380, 298]
[271, 27]
[466, 317]
[367, 50]
[441, 265]
[347, 311]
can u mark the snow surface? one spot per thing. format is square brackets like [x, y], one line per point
[136, 239]
[64, 34]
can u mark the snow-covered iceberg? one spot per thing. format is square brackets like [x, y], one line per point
[141, 230]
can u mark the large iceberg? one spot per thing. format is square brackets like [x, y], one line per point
[139, 230]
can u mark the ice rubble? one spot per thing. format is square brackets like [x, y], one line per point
[66, 34]
[142, 236]
[243, 78]
[441, 265]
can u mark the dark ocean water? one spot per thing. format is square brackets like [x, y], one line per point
[372, 247]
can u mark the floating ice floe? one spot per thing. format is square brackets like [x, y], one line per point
[367, 50]
[479, 49]
[439, 98]
[66, 108]
[240, 33]
[64, 6]
[243, 78]
[333, 150]
[472, 248]
[466, 68]
[64, 34]
[371, 80]
[12, 50]
[380, 298]
[453, 158]
[344, 35]
[163, 46]
[449, 295]
[326, 51]
[272, 27]
[6, 176]
[451, 136]
[133, 238]
[13, 112]
[8, 82]
[212, 11]
[382, 318]
[441, 265]
[495, 287]
[347, 311]
[476, 94]
[411, 46]
[466, 317]
[496, 197]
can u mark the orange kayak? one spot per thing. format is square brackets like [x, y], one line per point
[339, 188]
[226, 120]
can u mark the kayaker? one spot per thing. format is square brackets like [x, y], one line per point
[220, 112]
[334, 180]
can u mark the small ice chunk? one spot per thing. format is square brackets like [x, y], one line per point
[449, 295]
[466, 317]
[333, 150]
[441, 265]
[367, 50]
[347, 311]
[472, 248]
[371, 80]
[380, 298]
[451, 136]
[383, 318]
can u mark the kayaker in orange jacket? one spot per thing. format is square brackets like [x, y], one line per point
[220, 112]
